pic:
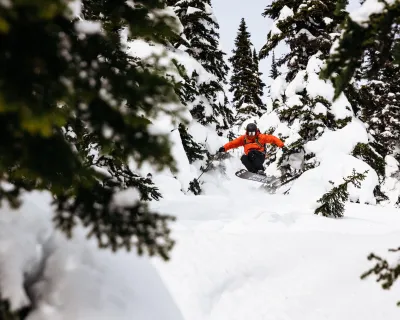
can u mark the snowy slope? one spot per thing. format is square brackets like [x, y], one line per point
[242, 254]
[66, 280]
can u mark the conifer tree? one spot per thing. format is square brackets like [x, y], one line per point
[309, 29]
[260, 84]
[205, 98]
[81, 92]
[332, 203]
[382, 111]
[358, 38]
[245, 82]
[369, 50]
[306, 26]
[194, 150]
[379, 109]
[377, 96]
[380, 96]
[200, 39]
[200, 29]
[274, 73]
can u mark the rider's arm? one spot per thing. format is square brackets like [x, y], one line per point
[238, 142]
[267, 138]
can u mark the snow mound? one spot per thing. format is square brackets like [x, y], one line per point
[333, 151]
[235, 246]
[368, 8]
[73, 279]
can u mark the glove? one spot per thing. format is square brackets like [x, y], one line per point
[222, 149]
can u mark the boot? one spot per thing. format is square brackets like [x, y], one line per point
[261, 172]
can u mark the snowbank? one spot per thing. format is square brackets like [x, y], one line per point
[368, 8]
[245, 254]
[73, 279]
[333, 151]
[391, 184]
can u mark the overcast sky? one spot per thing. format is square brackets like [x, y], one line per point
[230, 12]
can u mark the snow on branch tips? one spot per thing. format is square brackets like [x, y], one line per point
[332, 203]
[369, 35]
[387, 273]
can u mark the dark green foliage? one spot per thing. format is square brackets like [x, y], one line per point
[113, 229]
[380, 100]
[353, 95]
[309, 29]
[370, 52]
[222, 115]
[51, 75]
[378, 104]
[374, 41]
[227, 116]
[245, 82]
[365, 153]
[7, 314]
[340, 9]
[231, 135]
[187, 91]
[386, 274]
[201, 31]
[375, 91]
[274, 73]
[259, 83]
[308, 15]
[188, 88]
[310, 161]
[332, 202]
[379, 195]
[194, 186]
[194, 151]
[201, 41]
[341, 123]
[312, 124]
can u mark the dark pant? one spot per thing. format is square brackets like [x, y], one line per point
[253, 161]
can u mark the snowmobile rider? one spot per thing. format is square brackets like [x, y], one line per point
[254, 147]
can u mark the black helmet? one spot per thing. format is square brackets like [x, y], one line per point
[251, 129]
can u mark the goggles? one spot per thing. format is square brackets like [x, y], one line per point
[251, 133]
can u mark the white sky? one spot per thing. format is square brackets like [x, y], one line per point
[230, 12]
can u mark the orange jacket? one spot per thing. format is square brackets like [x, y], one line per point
[252, 144]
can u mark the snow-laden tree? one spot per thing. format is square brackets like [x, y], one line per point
[83, 112]
[302, 101]
[200, 30]
[245, 82]
[372, 66]
[200, 84]
[367, 56]
[379, 100]
[333, 202]
[374, 25]
[200, 39]
[260, 84]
